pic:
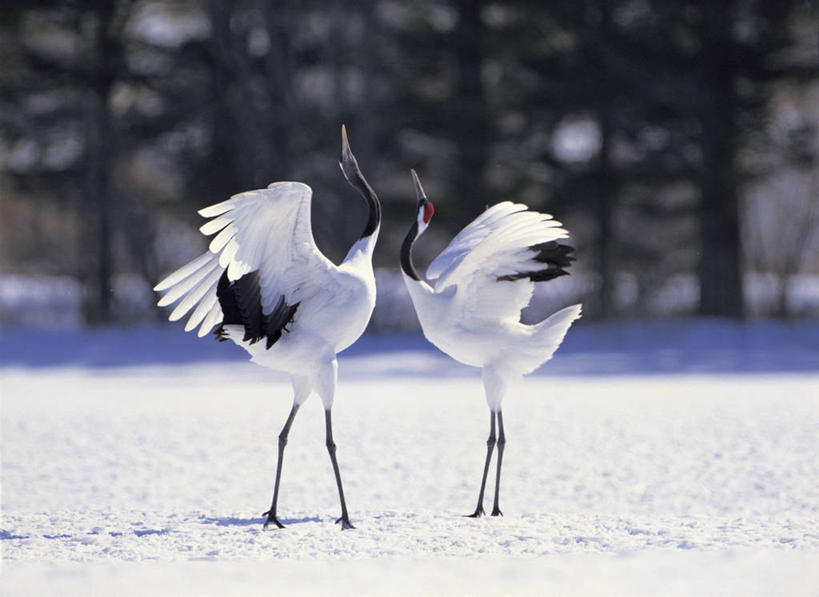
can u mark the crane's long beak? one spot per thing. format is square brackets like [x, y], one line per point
[348, 163]
[419, 190]
[345, 143]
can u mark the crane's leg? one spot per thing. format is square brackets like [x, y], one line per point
[325, 380]
[271, 514]
[490, 446]
[496, 511]
[331, 448]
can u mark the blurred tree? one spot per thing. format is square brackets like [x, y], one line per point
[588, 106]
[470, 125]
[66, 66]
[253, 85]
[716, 112]
[105, 21]
[642, 123]
[723, 58]
[674, 91]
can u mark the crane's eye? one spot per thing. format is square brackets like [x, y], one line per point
[428, 211]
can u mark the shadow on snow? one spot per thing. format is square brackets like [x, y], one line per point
[230, 521]
[590, 348]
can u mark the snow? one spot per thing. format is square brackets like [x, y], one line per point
[632, 467]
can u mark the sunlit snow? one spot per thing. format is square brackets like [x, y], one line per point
[621, 475]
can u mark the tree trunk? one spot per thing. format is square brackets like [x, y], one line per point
[367, 60]
[253, 158]
[605, 189]
[99, 292]
[471, 123]
[280, 21]
[720, 267]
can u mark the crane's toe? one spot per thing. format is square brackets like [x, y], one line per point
[345, 523]
[476, 514]
[271, 520]
[496, 511]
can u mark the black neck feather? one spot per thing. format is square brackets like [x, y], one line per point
[406, 253]
[362, 186]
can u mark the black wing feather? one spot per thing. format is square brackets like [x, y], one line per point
[241, 303]
[556, 257]
[276, 322]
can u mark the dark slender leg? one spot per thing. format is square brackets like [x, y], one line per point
[331, 448]
[501, 443]
[490, 445]
[271, 514]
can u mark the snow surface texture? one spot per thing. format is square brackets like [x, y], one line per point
[151, 479]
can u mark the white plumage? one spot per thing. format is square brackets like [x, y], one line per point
[269, 231]
[270, 290]
[480, 284]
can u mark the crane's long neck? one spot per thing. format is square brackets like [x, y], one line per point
[358, 181]
[421, 293]
[406, 253]
[365, 245]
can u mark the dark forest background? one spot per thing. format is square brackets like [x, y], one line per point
[677, 140]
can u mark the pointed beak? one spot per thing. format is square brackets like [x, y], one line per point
[348, 163]
[419, 190]
[345, 143]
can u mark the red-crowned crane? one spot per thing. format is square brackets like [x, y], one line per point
[482, 280]
[264, 285]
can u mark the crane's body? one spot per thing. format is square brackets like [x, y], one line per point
[264, 284]
[325, 323]
[481, 282]
[517, 346]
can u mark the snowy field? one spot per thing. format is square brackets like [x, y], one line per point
[639, 462]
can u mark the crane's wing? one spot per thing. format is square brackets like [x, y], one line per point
[494, 266]
[468, 238]
[264, 249]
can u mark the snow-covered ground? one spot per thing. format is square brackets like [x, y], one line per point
[632, 467]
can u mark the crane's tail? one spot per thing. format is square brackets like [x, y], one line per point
[550, 332]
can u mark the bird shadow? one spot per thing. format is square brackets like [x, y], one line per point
[232, 521]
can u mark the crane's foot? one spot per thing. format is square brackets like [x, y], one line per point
[271, 520]
[345, 523]
[496, 511]
[477, 513]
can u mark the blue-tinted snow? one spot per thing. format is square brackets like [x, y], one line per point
[668, 346]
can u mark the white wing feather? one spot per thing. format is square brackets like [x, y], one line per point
[182, 273]
[497, 244]
[470, 236]
[268, 230]
[213, 317]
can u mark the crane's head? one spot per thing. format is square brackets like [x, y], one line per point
[351, 171]
[425, 208]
